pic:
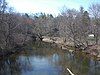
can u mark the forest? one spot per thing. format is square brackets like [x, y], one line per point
[79, 27]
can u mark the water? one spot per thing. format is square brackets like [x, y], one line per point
[47, 59]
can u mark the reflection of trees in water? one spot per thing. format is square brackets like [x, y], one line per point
[78, 64]
[9, 66]
[25, 63]
[14, 66]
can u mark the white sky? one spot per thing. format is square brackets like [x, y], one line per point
[47, 6]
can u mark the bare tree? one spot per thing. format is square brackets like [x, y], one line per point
[95, 13]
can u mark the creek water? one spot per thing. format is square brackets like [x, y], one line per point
[47, 59]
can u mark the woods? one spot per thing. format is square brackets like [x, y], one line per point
[74, 25]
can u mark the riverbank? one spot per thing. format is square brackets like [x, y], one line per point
[93, 50]
[6, 53]
[19, 46]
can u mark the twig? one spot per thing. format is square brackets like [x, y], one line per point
[70, 71]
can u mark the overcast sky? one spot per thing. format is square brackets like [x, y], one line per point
[48, 6]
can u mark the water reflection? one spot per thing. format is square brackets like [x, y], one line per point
[10, 66]
[47, 59]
